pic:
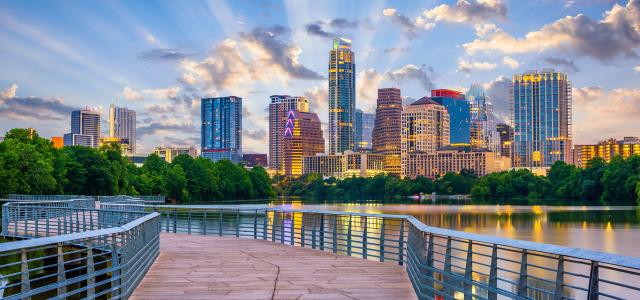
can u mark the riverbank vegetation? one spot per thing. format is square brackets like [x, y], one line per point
[30, 164]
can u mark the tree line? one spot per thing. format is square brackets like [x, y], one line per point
[30, 164]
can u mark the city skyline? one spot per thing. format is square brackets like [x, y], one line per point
[54, 65]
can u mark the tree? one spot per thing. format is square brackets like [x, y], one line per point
[176, 183]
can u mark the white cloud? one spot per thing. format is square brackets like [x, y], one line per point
[512, 63]
[468, 11]
[466, 66]
[411, 28]
[150, 38]
[131, 94]
[636, 68]
[157, 93]
[9, 92]
[422, 75]
[498, 91]
[367, 85]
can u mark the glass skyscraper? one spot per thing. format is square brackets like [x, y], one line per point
[483, 128]
[459, 114]
[342, 96]
[85, 129]
[122, 125]
[364, 129]
[221, 128]
[541, 116]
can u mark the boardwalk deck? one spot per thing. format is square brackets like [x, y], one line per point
[207, 267]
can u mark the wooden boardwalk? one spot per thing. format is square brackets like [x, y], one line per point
[208, 267]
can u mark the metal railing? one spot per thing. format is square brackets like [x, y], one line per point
[81, 252]
[42, 197]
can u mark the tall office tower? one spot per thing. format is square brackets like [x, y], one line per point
[387, 132]
[85, 128]
[342, 96]
[364, 129]
[302, 137]
[278, 110]
[506, 138]
[122, 125]
[541, 117]
[459, 114]
[483, 129]
[221, 128]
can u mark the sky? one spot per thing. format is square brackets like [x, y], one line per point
[160, 57]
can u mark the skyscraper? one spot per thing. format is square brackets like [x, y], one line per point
[459, 114]
[221, 128]
[387, 133]
[506, 138]
[85, 128]
[302, 137]
[541, 117]
[364, 129]
[122, 125]
[279, 108]
[342, 96]
[483, 128]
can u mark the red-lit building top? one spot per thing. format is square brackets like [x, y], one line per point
[447, 93]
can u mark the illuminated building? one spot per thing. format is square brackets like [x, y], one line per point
[606, 150]
[364, 129]
[342, 96]
[425, 128]
[85, 129]
[459, 114]
[387, 133]
[169, 153]
[344, 165]
[279, 107]
[58, 142]
[123, 143]
[482, 125]
[506, 139]
[122, 125]
[302, 137]
[454, 159]
[254, 160]
[221, 128]
[541, 119]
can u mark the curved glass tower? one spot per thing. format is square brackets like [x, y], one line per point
[342, 96]
[483, 127]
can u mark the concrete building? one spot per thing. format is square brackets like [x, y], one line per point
[342, 96]
[221, 128]
[364, 130]
[303, 136]
[425, 128]
[606, 150]
[58, 142]
[279, 108]
[344, 165]
[454, 159]
[459, 114]
[122, 125]
[125, 148]
[505, 131]
[85, 129]
[255, 160]
[541, 118]
[387, 132]
[169, 153]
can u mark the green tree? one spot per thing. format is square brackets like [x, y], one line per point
[176, 183]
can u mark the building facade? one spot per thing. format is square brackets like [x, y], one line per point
[483, 133]
[85, 129]
[122, 125]
[221, 128]
[303, 136]
[58, 142]
[279, 108]
[125, 148]
[505, 132]
[606, 150]
[255, 160]
[344, 165]
[169, 153]
[342, 96]
[387, 130]
[541, 119]
[454, 160]
[459, 114]
[364, 129]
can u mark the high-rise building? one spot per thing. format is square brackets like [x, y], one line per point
[454, 159]
[459, 114]
[387, 133]
[85, 129]
[342, 96]
[255, 160]
[125, 148]
[344, 165]
[483, 128]
[169, 153]
[364, 129]
[606, 150]
[279, 107]
[221, 126]
[302, 137]
[425, 128]
[505, 131]
[122, 125]
[541, 117]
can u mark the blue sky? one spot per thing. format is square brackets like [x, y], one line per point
[161, 57]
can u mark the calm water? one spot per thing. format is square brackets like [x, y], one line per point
[608, 229]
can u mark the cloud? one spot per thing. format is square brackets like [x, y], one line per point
[636, 68]
[131, 94]
[164, 54]
[397, 50]
[499, 92]
[318, 100]
[9, 92]
[592, 104]
[512, 63]
[617, 34]
[339, 25]
[167, 126]
[468, 11]
[260, 134]
[31, 108]
[316, 29]
[565, 64]
[422, 75]
[245, 112]
[466, 66]
[367, 85]
[157, 93]
[410, 28]
[150, 38]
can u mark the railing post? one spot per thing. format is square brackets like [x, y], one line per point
[558, 294]
[401, 244]
[115, 266]
[175, 220]
[25, 286]
[364, 237]
[282, 219]
[446, 276]
[349, 236]
[255, 225]
[431, 292]
[321, 231]
[189, 222]
[292, 229]
[265, 224]
[273, 226]
[468, 272]
[204, 219]
[382, 241]
[5, 220]
[238, 223]
[302, 231]
[335, 233]
[61, 270]
[522, 281]
[220, 224]
[594, 278]
[91, 279]
[167, 221]
[493, 274]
